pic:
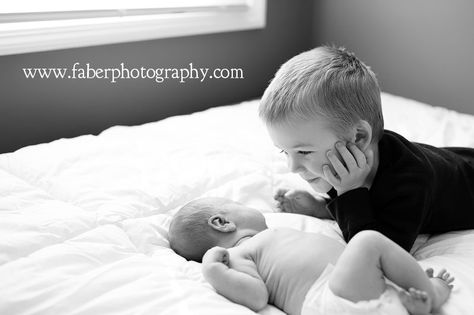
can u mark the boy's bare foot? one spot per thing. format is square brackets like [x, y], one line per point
[416, 302]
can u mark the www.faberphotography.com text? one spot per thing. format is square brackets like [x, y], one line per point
[79, 71]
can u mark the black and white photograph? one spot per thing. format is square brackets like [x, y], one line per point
[237, 157]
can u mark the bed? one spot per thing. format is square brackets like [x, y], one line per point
[83, 221]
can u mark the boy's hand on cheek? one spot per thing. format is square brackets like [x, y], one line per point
[352, 172]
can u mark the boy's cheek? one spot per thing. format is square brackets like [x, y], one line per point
[325, 161]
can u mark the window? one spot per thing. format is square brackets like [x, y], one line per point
[29, 25]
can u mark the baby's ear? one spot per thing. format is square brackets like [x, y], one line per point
[220, 223]
[363, 134]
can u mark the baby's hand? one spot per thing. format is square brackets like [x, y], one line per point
[353, 174]
[296, 201]
[216, 255]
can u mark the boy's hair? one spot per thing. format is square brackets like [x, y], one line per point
[189, 234]
[325, 82]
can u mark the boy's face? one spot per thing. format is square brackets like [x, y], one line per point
[305, 145]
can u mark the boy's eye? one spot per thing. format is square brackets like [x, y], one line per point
[299, 152]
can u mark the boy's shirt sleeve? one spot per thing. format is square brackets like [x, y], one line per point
[399, 217]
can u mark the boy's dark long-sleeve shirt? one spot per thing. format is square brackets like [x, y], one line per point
[417, 189]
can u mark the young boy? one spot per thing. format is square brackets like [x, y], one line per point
[298, 272]
[323, 110]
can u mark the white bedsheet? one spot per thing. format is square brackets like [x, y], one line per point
[83, 221]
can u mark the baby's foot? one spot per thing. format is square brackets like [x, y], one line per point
[442, 287]
[416, 302]
[429, 272]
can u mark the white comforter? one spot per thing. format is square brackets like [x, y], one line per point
[83, 221]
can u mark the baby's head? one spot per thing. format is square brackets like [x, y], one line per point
[328, 84]
[207, 222]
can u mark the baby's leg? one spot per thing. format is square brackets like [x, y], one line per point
[369, 256]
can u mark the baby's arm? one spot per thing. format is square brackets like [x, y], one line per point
[241, 284]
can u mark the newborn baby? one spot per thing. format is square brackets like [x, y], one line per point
[299, 272]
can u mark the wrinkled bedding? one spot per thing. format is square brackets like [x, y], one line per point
[83, 221]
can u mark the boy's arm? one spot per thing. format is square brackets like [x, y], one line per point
[302, 202]
[243, 286]
[321, 210]
[401, 208]
[400, 218]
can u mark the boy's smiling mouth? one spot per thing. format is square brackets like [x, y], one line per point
[311, 180]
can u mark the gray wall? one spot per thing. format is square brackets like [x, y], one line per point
[36, 111]
[422, 49]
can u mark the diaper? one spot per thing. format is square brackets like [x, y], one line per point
[320, 300]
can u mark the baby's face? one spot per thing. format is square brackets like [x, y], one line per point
[305, 145]
[245, 217]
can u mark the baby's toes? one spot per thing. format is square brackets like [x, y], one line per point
[441, 273]
[418, 294]
[413, 292]
[404, 296]
[429, 272]
[445, 276]
[423, 296]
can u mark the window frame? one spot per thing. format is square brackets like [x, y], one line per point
[35, 36]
